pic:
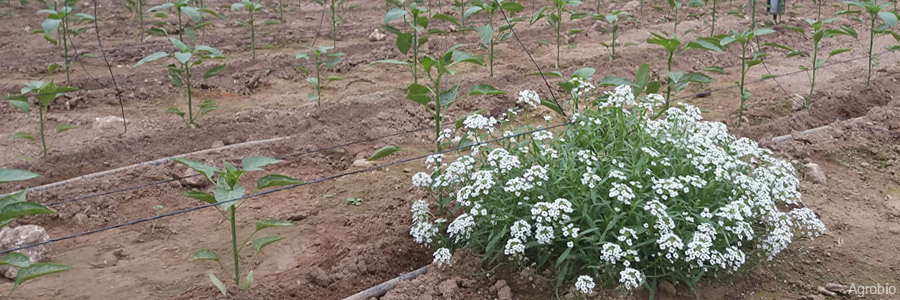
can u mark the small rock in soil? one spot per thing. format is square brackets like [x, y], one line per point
[813, 173]
[108, 123]
[24, 235]
[838, 288]
[318, 277]
[217, 144]
[362, 163]
[667, 289]
[80, 218]
[826, 292]
[504, 293]
[893, 206]
[193, 181]
[448, 287]
[797, 101]
[376, 36]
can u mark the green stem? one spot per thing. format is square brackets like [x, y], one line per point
[281, 11]
[415, 45]
[712, 31]
[43, 141]
[743, 74]
[612, 56]
[187, 80]
[675, 28]
[437, 108]
[319, 83]
[669, 84]
[558, 26]
[812, 85]
[252, 37]
[333, 25]
[180, 27]
[871, 44]
[752, 15]
[140, 4]
[234, 248]
[65, 40]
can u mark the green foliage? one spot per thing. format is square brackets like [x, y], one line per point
[57, 30]
[252, 8]
[488, 33]
[179, 73]
[748, 60]
[229, 194]
[675, 80]
[181, 7]
[612, 18]
[14, 206]
[322, 60]
[354, 201]
[46, 93]
[876, 12]
[554, 15]
[414, 35]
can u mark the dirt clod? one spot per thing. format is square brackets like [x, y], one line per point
[814, 173]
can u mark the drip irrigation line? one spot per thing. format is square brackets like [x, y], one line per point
[516, 35]
[288, 156]
[109, 67]
[320, 180]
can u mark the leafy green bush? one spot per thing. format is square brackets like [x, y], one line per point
[618, 196]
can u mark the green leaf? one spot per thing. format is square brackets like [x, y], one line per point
[228, 196]
[192, 12]
[419, 93]
[449, 96]
[700, 44]
[204, 254]
[259, 243]
[485, 89]
[584, 73]
[447, 18]
[65, 127]
[254, 163]
[50, 25]
[183, 57]
[151, 57]
[248, 281]
[714, 69]
[404, 42]
[20, 102]
[276, 180]
[214, 71]
[202, 168]
[486, 33]
[38, 270]
[394, 14]
[763, 31]
[552, 106]
[462, 57]
[260, 225]
[614, 81]
[202, 196]
[218, 283]
[10, 175]
[15, 259]
[837, 51]
[889, 18]
[384, 151]
[23, 135]
[22, 209]
[390, 61]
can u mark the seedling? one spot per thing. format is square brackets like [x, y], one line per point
[748, 60]
[181, 6]
[819, 34]
[555, 19]
[712, 29]
[136, 7]
[354, 201]
[416, 22]
[612, 18]
[436, 68]
[675, 5]
[889, 20]
[15, 206]
[677, 81]
[322, 61]
[252, 8]
[486, 32]
[336, 20]
[46, 93]
[229, 195]
[159, 210]
[180, 74]
[56, 29]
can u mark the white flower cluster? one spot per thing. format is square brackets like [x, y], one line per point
[585, 284]
[442, 257]
[479, 122]
[529, 98]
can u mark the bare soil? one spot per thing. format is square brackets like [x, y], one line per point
[335, 249]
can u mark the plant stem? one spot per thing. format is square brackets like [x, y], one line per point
[281, 11]
[318, 82]
[491, 57]
[140, 4]
[871, 44]
[743, 74]
[234, 248]
[712, 31]
[437, 108]
[752, 16]
[65, 40]
[415, 45]
[558, 26]
[43, 142]
[812, 85]
[180, 27]
[333, 25]
[187, 79]
[669, 84]
[252, 36]
[612, 56]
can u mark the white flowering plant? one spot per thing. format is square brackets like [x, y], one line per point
[624, 195]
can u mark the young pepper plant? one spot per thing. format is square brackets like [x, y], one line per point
[819, 33]
[252, 8]
[229, 195]
[14, 206]
[416, 21]
[46, 93]
[889, 20]
[748, 60]
[487, 31]
[436, 68]
[612, 18]
[675, 80]
[181, 6]
[57, 30]
[555, 19]
[322, 61]
[180, 74]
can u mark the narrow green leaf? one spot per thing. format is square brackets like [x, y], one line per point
[205, 197]
[218, 283]
[272, 180]
[248, 281]
[260, 225]
[204, 254]
[262, 242]
[65, 127]
[254, 163]
[38, 270]
[214, 71]
[15, 259]
[23, 135]
[485, 89]
[384, 151]
[151, 57]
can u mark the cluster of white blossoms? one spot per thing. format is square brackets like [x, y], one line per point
[654, 195]
[529, 98]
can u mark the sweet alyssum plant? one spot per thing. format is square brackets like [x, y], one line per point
[46, 93]
[14, 206]
[322, 61]
[229, 194]
[180, 74]
[618, 196]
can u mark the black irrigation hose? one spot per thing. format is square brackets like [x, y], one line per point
[137, 187]
[324, 179]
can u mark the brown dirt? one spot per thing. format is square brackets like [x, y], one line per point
[335, 250]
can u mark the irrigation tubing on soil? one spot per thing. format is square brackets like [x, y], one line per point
[158, 161]
[324, 179]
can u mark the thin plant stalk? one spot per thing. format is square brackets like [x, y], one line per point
[752, 17]
[187, 80]
[281, 11]
[140, 10]
[333, 25]
[437, 107]
[65, 41]
[871, 44]
[415, 46]
[669, 85]
[712, 30]
[743, 75]
[252, 36]
[558, 27]
[234, 248]
[43, 141]
[812, 85]
[319, 80]
[180, 27]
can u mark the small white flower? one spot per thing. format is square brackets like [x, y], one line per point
[585, 284]
[442, 257]
[529, 98]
